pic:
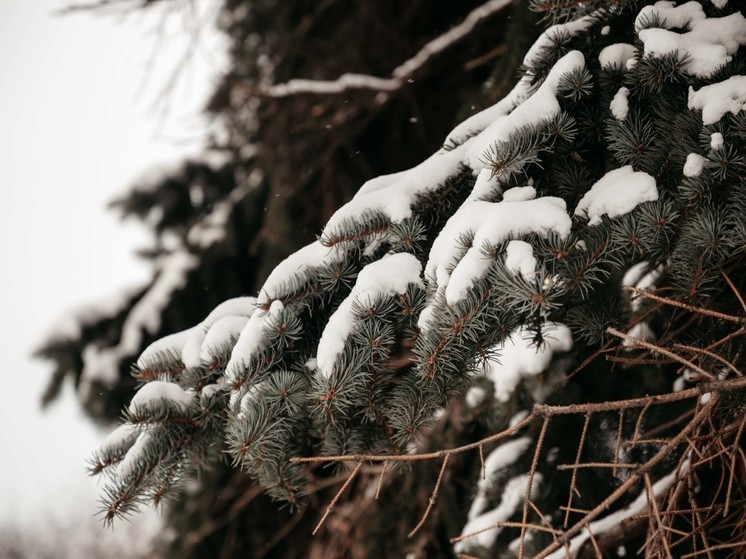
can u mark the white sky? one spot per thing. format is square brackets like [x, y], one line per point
[77, 127]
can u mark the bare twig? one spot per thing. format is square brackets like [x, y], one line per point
[627, 485]
[529, 485]
[575, 469]
[433, 497]
[690, 308]
[331, 505]
[401, 73]
[658, 349]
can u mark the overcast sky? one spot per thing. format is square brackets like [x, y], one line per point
[78, 124]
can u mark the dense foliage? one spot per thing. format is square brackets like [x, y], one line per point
[565, 253]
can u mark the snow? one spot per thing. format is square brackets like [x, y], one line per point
[69, 326]
[719, 4]
[396, 199]
[519, 194]
[619, 104]
[122, 436]
[191, 354]
[519, 358]
[481, 120]
[519, 259]
[103, 364]
[671, 15]
[518, 417]
[475, 396]
[694, 165]
[512, 498]
[447, 39]
[710, 42]
[486, 185]
[633, 275]
[390, 275]
[300, 264]
[401, 72]
[128, 466]
[728, 96]
[503, 456]
[394, 195]
[616, 55]
[490, 223]
[252, 338]
[617, 193]
[605, 30]
[171, 344]
[640, 331]
[716, 141]
[537, 52]
[340, 85]
[156, 392]
[598, 527]
[211, 229]
[380, 182]
[538, 108]
[642, 277]
[225, 331]
[248, 399]
[210, 390]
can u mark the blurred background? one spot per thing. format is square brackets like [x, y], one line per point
[161, 113]
[91, 102]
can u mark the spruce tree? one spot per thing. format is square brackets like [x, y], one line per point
[528, 344]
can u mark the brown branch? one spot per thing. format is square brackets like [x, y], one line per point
[334, 501]
[633, 479]
[709, 353]
[655, 513]
[735, 290]
[529, 485]
[433, 497]
[573, 480]
[657, 349]
[496, 525]
[690, 308]
[734, 455]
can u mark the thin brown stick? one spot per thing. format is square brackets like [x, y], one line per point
[734, 289]
[604, 505]
[711, 354]
[638, 423]
[690, 308]
[618, 444]
[593, 541]
[717, 547]
[496, 525]
[433, 497]
[658, 349]
[331, 505]
[656, 513]
[481, 461]
[734, 455]
[380, 481]
[529, 485]
[575, 467]
[574, 477]
[663, 426]
[421, 456]
[540, 410]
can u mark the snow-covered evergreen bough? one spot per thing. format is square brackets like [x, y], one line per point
[568, 251]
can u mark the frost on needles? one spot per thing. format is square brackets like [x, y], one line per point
[619, 153]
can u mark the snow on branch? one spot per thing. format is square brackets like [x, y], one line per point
[103, 364]
[400, 74]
